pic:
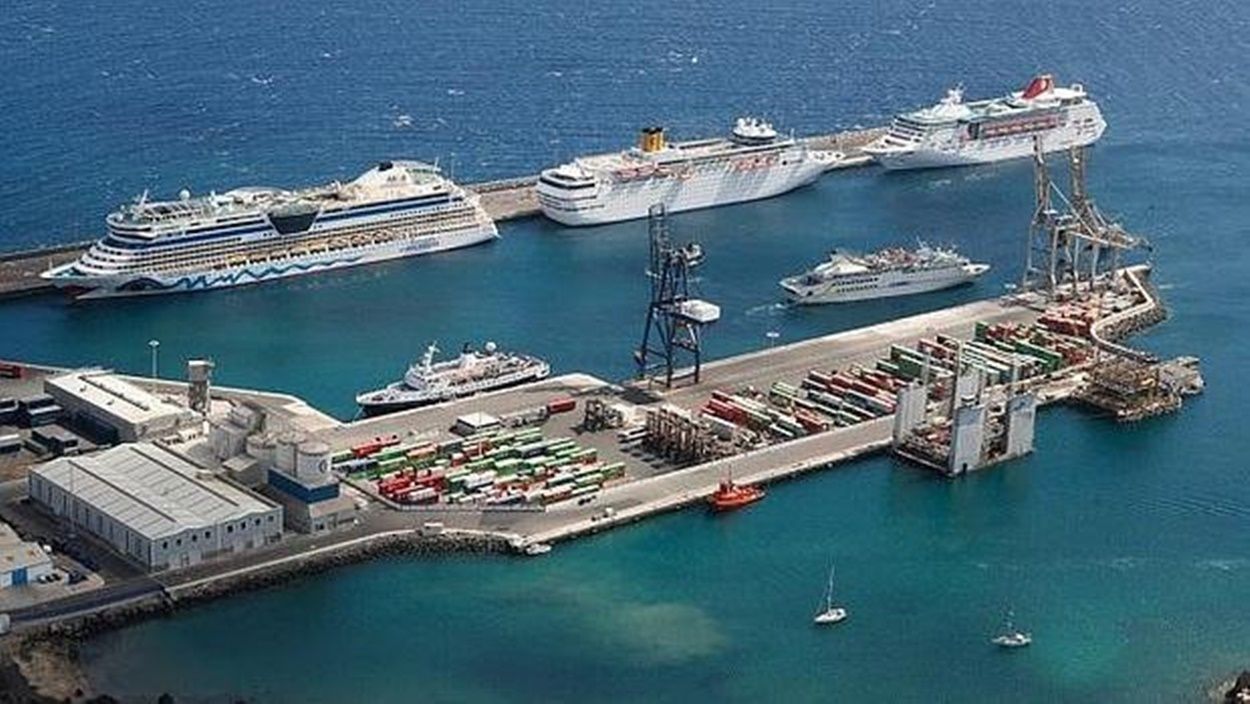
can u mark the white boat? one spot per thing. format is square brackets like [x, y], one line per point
[473, 372]
[889, 272]
[1011, 637]
[248, 235]
[754, 162]
[536, 549]
[955, 133]
[830, 614]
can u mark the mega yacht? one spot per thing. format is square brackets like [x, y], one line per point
[889, 272]
[247, 235]
[753, 162]
[955, 133]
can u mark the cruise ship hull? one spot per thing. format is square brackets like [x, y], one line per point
[615, 202]
[889, 284]
[84, 287]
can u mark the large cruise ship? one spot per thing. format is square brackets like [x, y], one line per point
[955, 133]
[889, 272]
[753, 162]
[246, 235]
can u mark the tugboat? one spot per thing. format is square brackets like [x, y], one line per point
[730, 496]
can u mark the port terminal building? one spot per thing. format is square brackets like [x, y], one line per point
[116, 409]
[154, 506]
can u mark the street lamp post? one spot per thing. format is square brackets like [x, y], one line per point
[772, 336]
[154, 345]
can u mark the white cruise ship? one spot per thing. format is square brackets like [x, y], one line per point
[753, 163]
[889, 272]
[247, 235]
[955, 133]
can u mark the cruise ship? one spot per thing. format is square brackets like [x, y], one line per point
[247, 235]
[889, 272]
[753, 162]
[473, 372]
[955, 133]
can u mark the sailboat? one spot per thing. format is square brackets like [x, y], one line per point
[1011, 637]
[831, 614]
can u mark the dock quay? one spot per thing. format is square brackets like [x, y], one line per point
[503, 200]
[538, 466]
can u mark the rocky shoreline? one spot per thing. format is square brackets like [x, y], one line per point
[42, 664]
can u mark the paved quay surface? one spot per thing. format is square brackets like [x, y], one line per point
[503, 200]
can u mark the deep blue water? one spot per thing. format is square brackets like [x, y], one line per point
[1121, 548]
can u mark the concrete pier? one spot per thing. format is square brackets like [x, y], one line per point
[503, 200]
[651, 484]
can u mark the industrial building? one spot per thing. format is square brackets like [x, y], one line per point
[116, 409]
[155, 506]
[21, 562]
[299, 478]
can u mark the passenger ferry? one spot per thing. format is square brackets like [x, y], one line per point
[473, 372]
[753, 162]
[955, 133]
[883, 274]
[248, 235]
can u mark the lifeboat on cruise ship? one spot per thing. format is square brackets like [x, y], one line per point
[729, 496]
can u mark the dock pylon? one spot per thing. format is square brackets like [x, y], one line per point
[673, 333]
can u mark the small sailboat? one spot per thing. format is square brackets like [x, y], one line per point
[1011, 637]
[830, 614]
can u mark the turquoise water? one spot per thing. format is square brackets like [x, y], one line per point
[1121, 548]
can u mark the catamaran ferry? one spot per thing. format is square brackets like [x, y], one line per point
[753, 163]
[247, 235]
[955, 133]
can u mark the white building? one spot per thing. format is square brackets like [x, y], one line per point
[155, 506]
[108, 402]
[21, 562]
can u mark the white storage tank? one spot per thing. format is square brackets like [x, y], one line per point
[261, 447]
[284, 453]
[312, 461]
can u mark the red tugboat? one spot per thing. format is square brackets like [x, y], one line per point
[730, 496]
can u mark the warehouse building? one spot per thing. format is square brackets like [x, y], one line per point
[116, 409]
[155, 506]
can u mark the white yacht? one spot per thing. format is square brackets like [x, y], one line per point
[753, 162]
[247, 235]
[889, 272]
[955, 133]
[473, 372]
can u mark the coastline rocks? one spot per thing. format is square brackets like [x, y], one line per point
[1240, 691]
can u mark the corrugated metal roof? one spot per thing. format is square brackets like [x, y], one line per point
[115, 395]
[150, 489]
